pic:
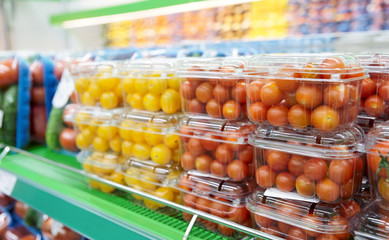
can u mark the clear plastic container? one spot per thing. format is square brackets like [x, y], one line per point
[153, 179]
[375, 89]
[317, 92]
[308, 167]
[225, 199]
[372, 223]
[301, 220]
[54, 230]
[213, 87]
[96, 129]
[97, 84]
[377, 149]
[104, 165]
[20, 233]
[217, 147]
[151, 85]
[150, 137]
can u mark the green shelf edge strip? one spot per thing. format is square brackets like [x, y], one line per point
[64, 196]
[125, 8]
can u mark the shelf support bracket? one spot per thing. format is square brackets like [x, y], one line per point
[190, 226]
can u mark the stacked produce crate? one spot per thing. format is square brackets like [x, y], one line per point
[307, 146]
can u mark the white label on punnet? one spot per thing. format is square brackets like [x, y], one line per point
[64, 90]
[273, 192]
[7, 182]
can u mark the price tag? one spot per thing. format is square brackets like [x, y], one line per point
[64, 90]
[7, 182]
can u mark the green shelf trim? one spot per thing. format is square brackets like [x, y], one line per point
[64, 195]
[125, 8]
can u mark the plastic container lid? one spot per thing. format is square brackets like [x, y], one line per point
[205, 186]
[219, 68]
[138, 120]
[94, 116]
[316, 217]
[99, 163]
[141, 68]
[306, 67]
[160, 175]
[371, 224]
[86, 69]
[340, 145]
[220, 130]
[378, 138]
[375, 63]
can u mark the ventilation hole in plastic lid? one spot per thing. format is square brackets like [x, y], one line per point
[264, 198]
[371, 123]
[223, 126]
[312, 208]
[219, 188]
[318, 139]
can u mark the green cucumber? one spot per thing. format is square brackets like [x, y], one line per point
[54, 128]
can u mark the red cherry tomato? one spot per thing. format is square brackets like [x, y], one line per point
[340, 171]
[263, 221]
[340, 222]
[9, 71]
[203, 204]
[204, 92]
[246, 155]
[296, 233]
[225, 230]
[272, 230]
[218, 169]
[368, 87]
[188, 161]
[258, 112]
[224, 153]
[36, 69]
[349, 208]
[309, 96]
[285, 182]
[38, 95]
[374, 106]
[67, 139]
[254, 90]
[187, 90]
[203, 163]
[332, 65]
[271, 94]
[336, 96]
[210, 145]
[278, 161]
[383, 91]
[195, 106]
[214, 109]
[290, 99]
[327, 190]
[327, 237]
[239, 93]
[195, 147]
[265, 176]
[296, 165]
[315, 169]
[232, 110]
[347, 189]
[221, 93]
[237, 170]
[299, 116]
[190, 200]
[305, 186]
[185, 183]
[325, 118]
[219, 209]
[203, 187]
[284, 79]
[239, 214]
[278, 115]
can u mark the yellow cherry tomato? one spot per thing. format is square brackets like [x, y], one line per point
[87, 167]
[100, 144]
[81, 84]
[151, 102]
[128, 85]
[170, 101]
[152, 138]
[141, 86]
[94, 90]
[176, 155]
[171, 140]
[165, 193]
[127, 148]
[124, 132]
[157, 86]
[161, 154]
[82, 119]
[107, 132]
[94, 184]
[109, 100]
[117, 177]
[116, 144]
[141, 151]
[106, 188]
[118, 90]
[87, 99]
[135, 100]
[137, 136]
[174, 83]
[108, 83]
[137, 196]
[83, 141]
[148, 183]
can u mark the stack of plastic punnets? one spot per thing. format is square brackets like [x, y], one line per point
[307, 145]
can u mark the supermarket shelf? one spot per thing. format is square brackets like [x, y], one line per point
[53, 188]
[46, 177]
